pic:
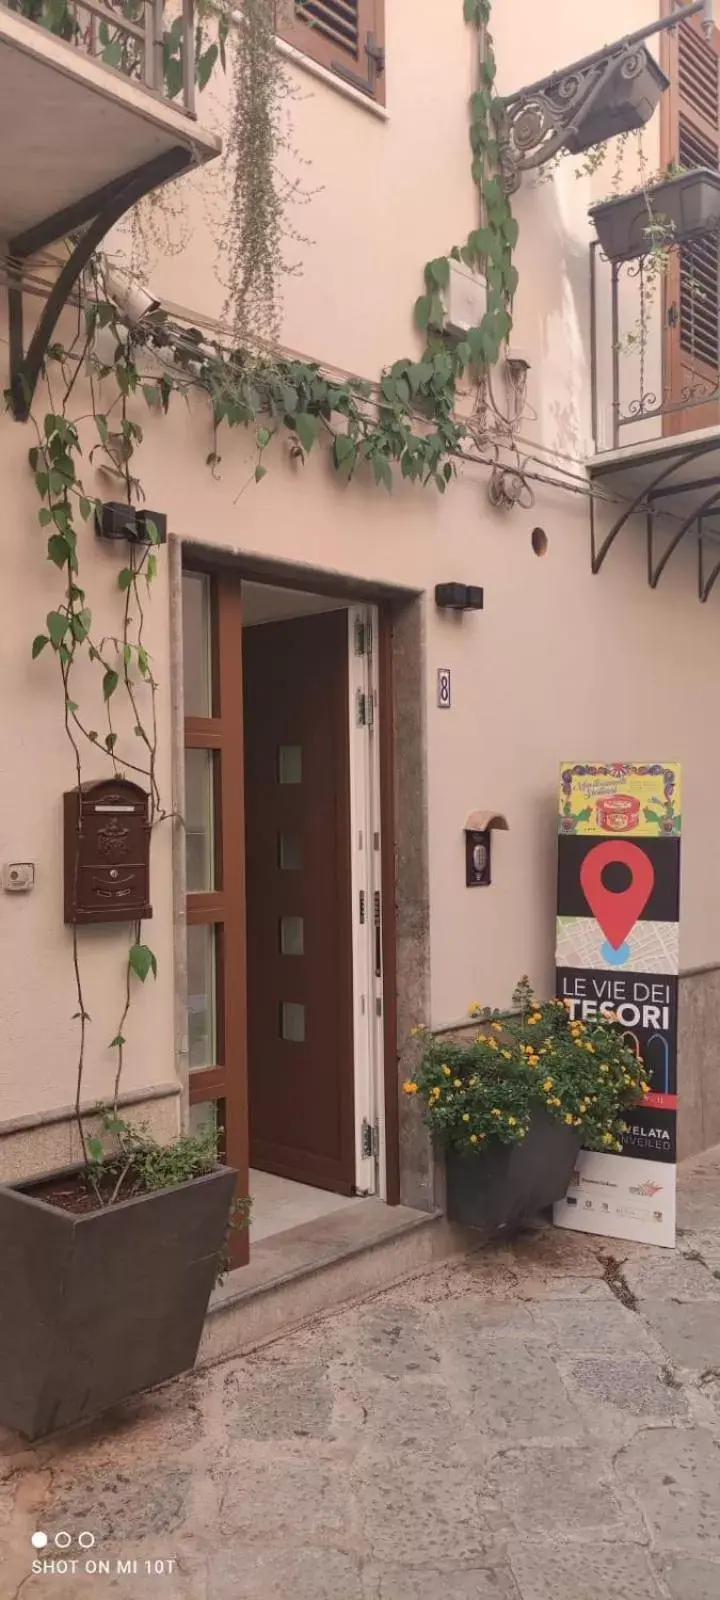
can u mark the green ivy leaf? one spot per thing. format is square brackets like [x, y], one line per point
[143, 661]
[260, 472]
[263, 437]
[38, 644]
[71, 707]
[381, 471]
[307, 429]
[95, 1150]
[110, 741]
[422, 311]
[57, 626]
[85, 507]
[510, 230]
[109, 683]
[142, 961]
[437, 273]
[125, 578]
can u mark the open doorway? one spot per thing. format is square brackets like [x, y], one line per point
[286, 1014]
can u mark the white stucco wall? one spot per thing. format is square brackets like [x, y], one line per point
[560, 664]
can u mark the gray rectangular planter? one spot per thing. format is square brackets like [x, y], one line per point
[97, 1307]
[508, 1182]
[627, 101]
[688, 205]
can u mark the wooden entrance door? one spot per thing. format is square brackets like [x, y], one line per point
[299, 937]
[690, 137]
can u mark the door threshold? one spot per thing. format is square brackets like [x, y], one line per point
[321, 1265]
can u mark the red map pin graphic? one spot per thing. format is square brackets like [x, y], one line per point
[617, 913]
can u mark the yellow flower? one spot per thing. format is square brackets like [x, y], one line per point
[473, 1138]
[447, 1072]
[473, 1082]
[568, 1117]
[497, 1027]
[410, 1087]
[457, 1083]
[604, 1069]
[512, 1122]
[607, 1138]
[555, 1101]
[534, 1061]
[466, 1116]
[492, 1044]
[495, 1112]
[645, 1088]
[474, 1009]
[547, 1086]
[506, 1054]
[415, 1032]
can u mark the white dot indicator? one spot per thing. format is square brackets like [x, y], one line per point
[39, 1540]
[86, 1540]
[63, 1540]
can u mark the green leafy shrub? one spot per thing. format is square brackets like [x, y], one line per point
[486, 1090]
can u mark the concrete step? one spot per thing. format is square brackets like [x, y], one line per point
[320, 1266]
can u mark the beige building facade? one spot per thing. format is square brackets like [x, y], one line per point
[305, 607]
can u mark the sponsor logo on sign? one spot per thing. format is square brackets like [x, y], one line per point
[647, 1190]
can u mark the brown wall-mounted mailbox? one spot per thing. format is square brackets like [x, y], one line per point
[107, 852]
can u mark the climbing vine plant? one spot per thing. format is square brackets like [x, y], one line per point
[410, 424]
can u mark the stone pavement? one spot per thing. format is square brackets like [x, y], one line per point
[539, 1421]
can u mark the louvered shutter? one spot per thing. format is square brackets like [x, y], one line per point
[691, 138]
[346, 36]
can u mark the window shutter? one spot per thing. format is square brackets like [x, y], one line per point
[346, 36]
[691, 138]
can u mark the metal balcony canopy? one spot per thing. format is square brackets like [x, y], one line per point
[674, 483]
[71, 128]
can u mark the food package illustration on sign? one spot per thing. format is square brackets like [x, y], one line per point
[618, 956]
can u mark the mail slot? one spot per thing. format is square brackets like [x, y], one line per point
[107, 852]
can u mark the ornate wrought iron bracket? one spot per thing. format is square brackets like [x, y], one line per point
[706, 582]
[88, 222]
[566, 110]
[646, 500]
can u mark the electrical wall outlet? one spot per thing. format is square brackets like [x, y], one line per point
[18, 877]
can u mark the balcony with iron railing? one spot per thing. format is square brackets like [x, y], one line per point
[655, 367]
[97, 110]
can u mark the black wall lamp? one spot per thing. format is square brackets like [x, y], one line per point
[459, 597]
[116, 521]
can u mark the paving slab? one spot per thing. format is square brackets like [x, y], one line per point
[673, 1474]
[594, 1571]
[534, 1421]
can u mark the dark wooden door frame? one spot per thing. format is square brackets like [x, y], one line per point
[223, 908]
[223, 565]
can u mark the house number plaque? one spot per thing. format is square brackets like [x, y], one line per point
[107, 852]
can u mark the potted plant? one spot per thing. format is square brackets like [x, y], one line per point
[107, 1270]
[677, 208]
[512, 1107]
